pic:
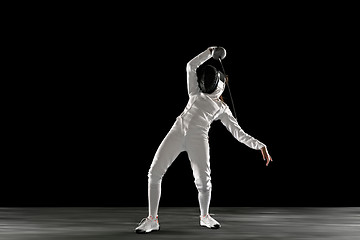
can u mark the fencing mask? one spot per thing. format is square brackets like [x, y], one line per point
[209, 79]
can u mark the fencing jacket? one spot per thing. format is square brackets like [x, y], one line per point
[202, 109]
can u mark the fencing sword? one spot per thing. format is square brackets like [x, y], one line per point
[228, 87]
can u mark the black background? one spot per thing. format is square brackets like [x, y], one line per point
[98, 89]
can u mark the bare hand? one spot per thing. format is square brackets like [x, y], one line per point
[266, 155]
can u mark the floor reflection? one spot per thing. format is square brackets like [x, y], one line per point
[180, 223]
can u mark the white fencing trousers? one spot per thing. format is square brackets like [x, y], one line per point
[195, 142]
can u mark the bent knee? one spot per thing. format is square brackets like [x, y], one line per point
[154, 178]
[203, 185]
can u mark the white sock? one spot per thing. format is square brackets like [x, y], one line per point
[204, 202]
[154, 193]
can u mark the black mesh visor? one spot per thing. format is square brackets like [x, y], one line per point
[209, 79]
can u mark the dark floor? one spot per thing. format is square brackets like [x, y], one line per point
[180, 223]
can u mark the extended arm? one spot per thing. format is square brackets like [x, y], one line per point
[228, 120]
[192, 65]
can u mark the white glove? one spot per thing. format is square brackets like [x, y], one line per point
[212, 50]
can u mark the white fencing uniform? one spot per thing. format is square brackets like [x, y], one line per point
[190, 133]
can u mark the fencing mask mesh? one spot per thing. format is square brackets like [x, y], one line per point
[209, 79]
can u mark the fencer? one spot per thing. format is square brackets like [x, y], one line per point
[190, 133]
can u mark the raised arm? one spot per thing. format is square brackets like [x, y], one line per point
[192, 65]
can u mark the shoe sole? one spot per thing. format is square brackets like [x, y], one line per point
[144, 232]
[214, 227]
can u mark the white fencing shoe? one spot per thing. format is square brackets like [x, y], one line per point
[209, 222]
[148, 225]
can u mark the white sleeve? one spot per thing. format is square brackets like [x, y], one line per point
[192, 65]
[229, 121]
